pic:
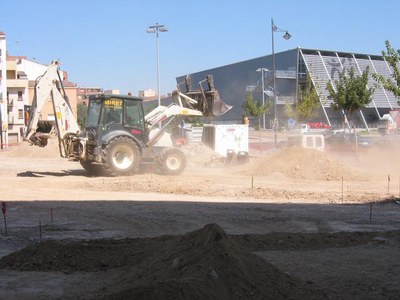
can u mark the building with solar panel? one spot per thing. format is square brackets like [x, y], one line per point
[254, 76]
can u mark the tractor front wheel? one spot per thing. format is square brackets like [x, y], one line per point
[172, 161]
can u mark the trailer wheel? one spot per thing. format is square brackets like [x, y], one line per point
[121, 157]
[172, 162]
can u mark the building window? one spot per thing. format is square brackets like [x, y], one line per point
[20, 113]
[19, 95]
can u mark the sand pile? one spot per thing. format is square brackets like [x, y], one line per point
[26, 150]
[299, 162]
[204, 264]
[201, 155]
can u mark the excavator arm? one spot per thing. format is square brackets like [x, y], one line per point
[49, 87]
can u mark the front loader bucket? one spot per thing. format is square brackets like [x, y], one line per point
[215, 106]
[206, 100]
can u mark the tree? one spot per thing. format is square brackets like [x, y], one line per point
[254, 108]
[352, 92]
[81, 112]
[393, 58]
[307, 106]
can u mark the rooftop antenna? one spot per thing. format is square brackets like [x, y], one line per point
[17, 46]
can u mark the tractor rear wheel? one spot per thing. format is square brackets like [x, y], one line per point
[122, 157]
[172, 161]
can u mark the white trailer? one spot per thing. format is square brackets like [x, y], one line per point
[225, 139]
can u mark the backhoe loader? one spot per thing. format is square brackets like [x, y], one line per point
[118, 138]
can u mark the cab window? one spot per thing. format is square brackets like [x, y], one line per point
[133, 116]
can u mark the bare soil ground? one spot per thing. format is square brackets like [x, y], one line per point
[294, 223]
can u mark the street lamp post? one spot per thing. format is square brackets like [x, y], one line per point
[262, 70]
[155, 29]
[286, 36]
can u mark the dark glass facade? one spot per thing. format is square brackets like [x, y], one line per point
[236, 80]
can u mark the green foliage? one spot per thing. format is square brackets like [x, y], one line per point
[81, 114]
[307, 106]
[196, 121]
[351, 92]
[174, 126]
[254, 109]
[390, 84]
[290, 110]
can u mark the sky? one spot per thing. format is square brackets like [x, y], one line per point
[103, 43]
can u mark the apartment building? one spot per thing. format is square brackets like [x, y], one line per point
[85, 92]
[3, 92]
[148, 94]
[17, 100]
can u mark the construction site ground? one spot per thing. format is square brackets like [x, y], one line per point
[289, 224]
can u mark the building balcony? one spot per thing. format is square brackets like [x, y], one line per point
[17, 83]
[11, 65]
[13, 120]
[282, 100]
[286, 74]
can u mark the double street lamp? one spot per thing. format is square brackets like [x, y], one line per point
[156, 29]
[286, 36]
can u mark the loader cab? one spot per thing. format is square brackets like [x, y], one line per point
[111, 113]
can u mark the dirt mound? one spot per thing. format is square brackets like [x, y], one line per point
[204, 264]
[200, 155]
[87, 256]
[298, 162]
[26, 150]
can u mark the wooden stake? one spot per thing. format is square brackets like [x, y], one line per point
[40, 229]
[5, 225]
[370, 212]
[342, 190]
[388, 180]
[252, 181]
[4, 211]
